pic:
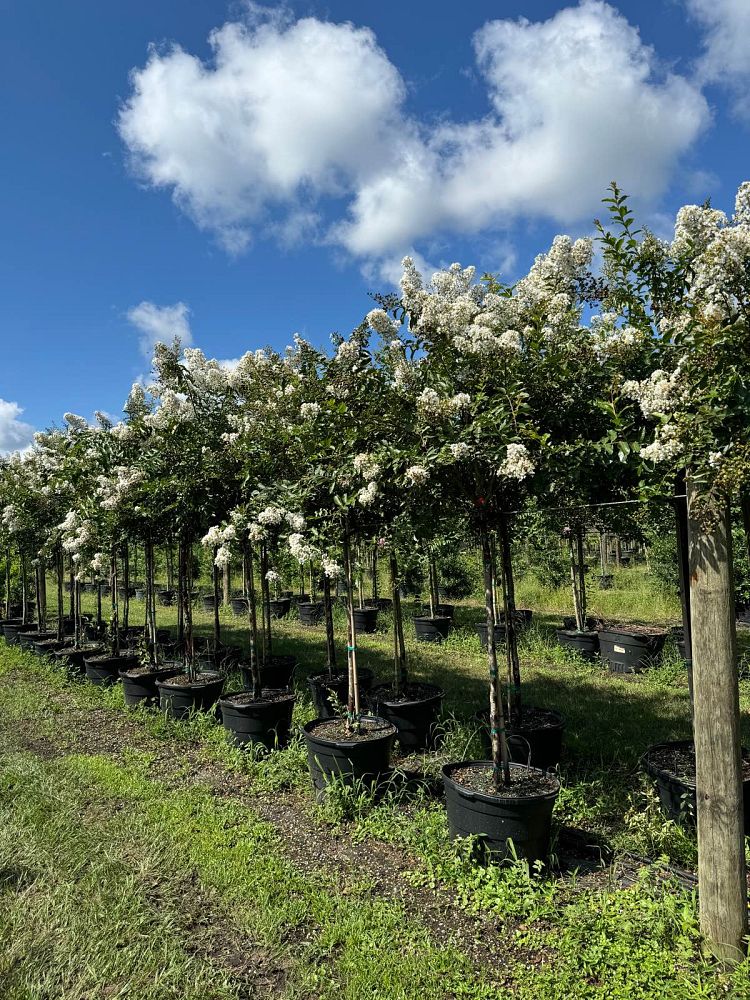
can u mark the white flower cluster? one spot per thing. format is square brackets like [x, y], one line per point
[517, 463]
[98, 563]
[12, 519]
[417, 475]
[665, 446]
[367, 494]
[332, 569]
[223, 556]
[216, 536]
[272, 576]
[74, 422]
[76, 534]
[695, 227]
[113, 490]
[460, 450]
[174, 408]
[301, 550]
[554, 273]
[659, 393]
[381, 323]
[432, 405]
[366, 466]
[271, 517]
[309, 411]
[611, 340]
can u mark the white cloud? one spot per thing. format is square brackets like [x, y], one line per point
[726, 55]
[15, 435]
[160, 325]
[290, 115]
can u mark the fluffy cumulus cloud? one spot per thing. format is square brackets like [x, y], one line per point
[726, 53]
[160, 325]
[305, 120]
[15, 435]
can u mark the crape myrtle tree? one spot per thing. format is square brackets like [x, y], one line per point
[494, 362]
[691, 299]
[194, 477]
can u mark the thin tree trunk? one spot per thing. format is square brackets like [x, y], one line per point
[77, 612]
[24, 595]
[170, 566]
[72, 578]
[7, 582]
[328, 615]
[187, 609]
[115, 640]
[249, 585]
[498, 736]
[217, 595]
[150, 602]
[266, 601]
[60, 568]
[679, 504]
[511, 635]
[226, 585]
[126, 586]
[721, 846]
[375, 572]
[399, 648]
[181, 597]
[353, 712]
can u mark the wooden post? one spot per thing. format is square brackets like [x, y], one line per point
[722, 883]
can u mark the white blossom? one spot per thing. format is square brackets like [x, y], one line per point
[517, 463]
[309, 411]
[460, 450]
[332, 569]
[366, 496]
[381, 323]
[223, 557]
[665, 446]
[366, 466]
[416, 475]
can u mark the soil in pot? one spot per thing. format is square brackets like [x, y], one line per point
[523, 617]
[569, 623]
[330, 692]
[381, 603]
[365, 620]
[630, 649]
[265, 721]
[332, 752]
[166, 597]
[179, 696]
[139, 683]
[42, 637]
[311, 613]
[521, 813]
[537, 742]
[414, 712]
[105, 670]
[240, 606]
[672, 767]
[432, 629]
[586, 644]
[74, 658]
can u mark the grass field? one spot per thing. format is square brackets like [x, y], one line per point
[141, 858]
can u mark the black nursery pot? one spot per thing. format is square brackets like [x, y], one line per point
[27, 636]
[441, 610]
[280, 608]
[347, 759]
[677, 796]
[105, 670]
[166, 597]
[586, 644]
[180, 699]
[415, 715]
[265, 721]
[12, 625]
[381, 603]
[522, 617]
[606, 581]
[310, 613]
[140, 593]
[365, 620]
[240, 606]
[207, 602]
[139, 686]
[74, 659]
[481, 629]
[496, 819]
[627, 652]
[537, 742]
[40, 638]
[569, 623]
[322, 687]
[432, 629]
[276, 673]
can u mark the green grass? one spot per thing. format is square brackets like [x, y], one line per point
[89, 835]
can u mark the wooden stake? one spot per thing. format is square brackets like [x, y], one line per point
[722, 883]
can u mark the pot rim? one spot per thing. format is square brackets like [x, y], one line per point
[307, 729]
[437, 695]
[211, 678]
[287, 697]
[468, 793]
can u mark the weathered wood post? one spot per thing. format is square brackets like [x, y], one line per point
[722, 883]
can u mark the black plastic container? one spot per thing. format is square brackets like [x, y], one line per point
[27, 636]
[676, 795]
[166, 597]
[415, 719]
[105, 670]
[432, 629]
[586, 644]
[441, 611]
[42, 637]
[310, 613]
[322, 689]
[276, 673]
[629, 652]
[208, 602]
[180, 700]
[12, 625]
[280, 608]
[365, 620]
[569, 623]
[141, 689]
[496, 820]
[348, 760]
[535, 745]
[481, 629]
[523, 617]
[240, 606]
[258, 722]
[381, 603]
[606, 581]
[74, 659]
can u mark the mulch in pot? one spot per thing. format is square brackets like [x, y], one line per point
[524, 782]
[336, 730]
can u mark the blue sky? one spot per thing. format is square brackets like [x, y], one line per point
[241, 189]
